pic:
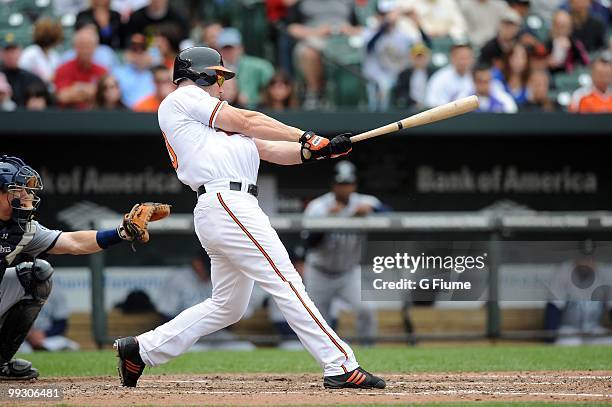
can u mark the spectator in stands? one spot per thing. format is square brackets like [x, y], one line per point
[538, 98]
[596, 98]
[41, 58]
[49, 330]
[279, 93]
[75, 80]
[492, 100]
[515, 73]
[311, 23]
[134, 76]
[545, 9]
[387, 54]
[588, 29]
[454, 79]
[482, 18]
[38, 97]
[103, 54]
[108, 94]
[107, 22]
[527, 35]
[163, 86]
[18, 78]
[252, 73]
[6, 104]
[439, 18]
[147, 19]
[564, 49]
[210, 34]
[509, 27]
[168, 43]
[411, 87]
[276, 13]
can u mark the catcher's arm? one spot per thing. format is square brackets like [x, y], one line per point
[133, 228]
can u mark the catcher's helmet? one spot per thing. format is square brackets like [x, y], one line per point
[201, 65]
[21, 181]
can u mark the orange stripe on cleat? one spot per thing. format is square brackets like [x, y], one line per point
[350, 379]
[361, 380]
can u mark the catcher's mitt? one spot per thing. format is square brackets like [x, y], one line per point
[135, 224]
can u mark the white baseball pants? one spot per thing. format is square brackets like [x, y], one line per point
[244, 248]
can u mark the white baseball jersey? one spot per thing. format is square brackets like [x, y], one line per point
[199, 152]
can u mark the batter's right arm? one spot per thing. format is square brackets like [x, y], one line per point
[255, 124]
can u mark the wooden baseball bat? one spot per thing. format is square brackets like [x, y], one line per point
[435, 114]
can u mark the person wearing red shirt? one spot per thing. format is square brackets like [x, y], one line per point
[75, 80]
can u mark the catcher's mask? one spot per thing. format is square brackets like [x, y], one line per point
[22, 183]
[202, 65]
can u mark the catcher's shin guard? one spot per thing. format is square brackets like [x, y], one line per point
[17, 323]
[130, 365]
[356, 379]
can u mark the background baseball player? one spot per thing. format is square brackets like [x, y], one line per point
[215, 149]
[25, 278]
[332, 260]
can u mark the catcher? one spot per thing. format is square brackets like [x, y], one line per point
[25, 277]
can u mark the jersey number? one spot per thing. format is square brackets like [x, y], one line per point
[171, 152]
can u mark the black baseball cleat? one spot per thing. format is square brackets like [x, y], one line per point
[17, 369]
[130, 365]
[357, 379]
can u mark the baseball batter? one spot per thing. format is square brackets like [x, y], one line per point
[215, 149]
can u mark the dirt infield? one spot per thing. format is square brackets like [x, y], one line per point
[306, 389]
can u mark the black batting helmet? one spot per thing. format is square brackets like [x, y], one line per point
[201, 65]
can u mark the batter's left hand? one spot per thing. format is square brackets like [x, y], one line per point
[341, 145]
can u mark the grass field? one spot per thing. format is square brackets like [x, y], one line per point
[377, 359]
[440, 375]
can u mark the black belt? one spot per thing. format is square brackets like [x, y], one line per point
[233, 186]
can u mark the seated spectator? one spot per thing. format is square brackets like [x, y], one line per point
[515, 72]
[18, 78]
[565, 50]
[107, 22]
[454, 79]
[148, 19]
[387, 55]
[527, 35]
[49, 330]
[509, 27]
[252, 73]
[38, 97]
[279, 93]
[411, 86]
[596, 98]
[103, 54]
[75, 80]
[491, 99]
[134, 76]
[276, 14]
[168, 42]
[6, 104]
[588, 29]
[41, 58]
[108, 94]
[439, 18]
[163, 86]
[482, 17]
[210, 34]
[311, 22]
[538, 97]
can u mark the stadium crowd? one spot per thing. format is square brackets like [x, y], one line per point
[517, 55]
